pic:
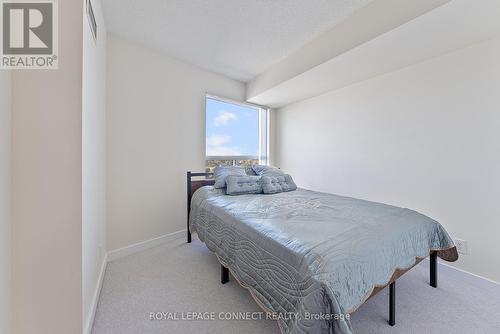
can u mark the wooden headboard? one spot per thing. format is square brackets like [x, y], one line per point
[194, 183]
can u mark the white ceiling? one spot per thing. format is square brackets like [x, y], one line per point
[450, 27]
[237, 38]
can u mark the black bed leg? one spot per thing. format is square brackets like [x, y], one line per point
[392, 303]
[433, 270]
[189, 189]
[224, 274]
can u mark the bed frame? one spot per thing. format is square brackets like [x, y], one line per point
[194, 183]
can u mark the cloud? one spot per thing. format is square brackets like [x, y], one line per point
[224, 117]
[218, 145]
[218, 140]
[222, 151]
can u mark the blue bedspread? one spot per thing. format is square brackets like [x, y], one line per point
[311, 257]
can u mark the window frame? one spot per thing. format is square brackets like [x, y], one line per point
[264, 127]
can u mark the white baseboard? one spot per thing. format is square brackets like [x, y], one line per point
[140, 246]
[466, 272]
[119, 253]
[95, 298]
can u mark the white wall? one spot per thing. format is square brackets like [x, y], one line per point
[425, 137]
[155, 133]
[47, 187]
[5, 217]
[93, 163]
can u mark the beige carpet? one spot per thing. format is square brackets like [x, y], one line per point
[181, 277]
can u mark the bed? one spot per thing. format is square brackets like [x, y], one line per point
[312, 258]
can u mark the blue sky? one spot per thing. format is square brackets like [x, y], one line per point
[231, 129]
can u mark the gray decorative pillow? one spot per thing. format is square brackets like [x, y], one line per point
[222, 172]
[277, 184]
[249, 170]
[239, 185]
[264, 170]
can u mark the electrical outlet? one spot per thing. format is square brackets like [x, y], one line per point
[462, 247]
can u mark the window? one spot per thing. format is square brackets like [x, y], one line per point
[236, 133]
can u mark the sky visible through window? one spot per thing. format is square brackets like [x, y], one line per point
[232, 130]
